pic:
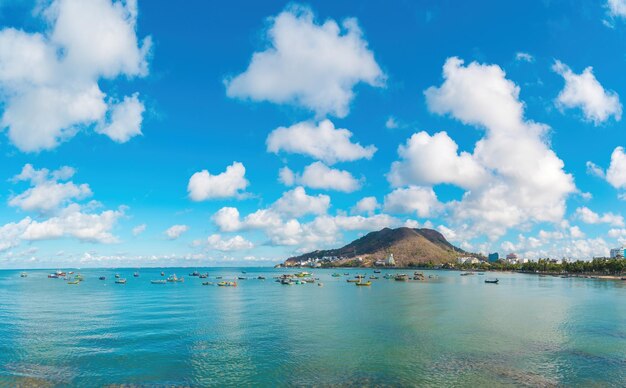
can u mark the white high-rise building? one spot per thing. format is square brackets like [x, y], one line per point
[618, 253]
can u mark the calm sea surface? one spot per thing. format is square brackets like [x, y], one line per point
[448, 331]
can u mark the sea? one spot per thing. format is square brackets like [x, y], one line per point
[447, 330]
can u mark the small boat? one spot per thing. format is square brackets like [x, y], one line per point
[303, 274]
[203, 276]
[374, 277]
[53, 276]
[364, 284]
[117, 275]
[243, 271]
[227, 284]
[120, 281]
[402, 277]
[623, 278]
[353, 280]
[160, 281]
[207, 283]
[336, 275]
[467, 273]
[162, 273]
[320, 284]
[261, 278]
[23, 275]
[346, 274]
[102, 278]
[376, 271]
[241, 277]
[73, 282]
[136, 274]
[492, 281]
[218, 277]
[194, 273]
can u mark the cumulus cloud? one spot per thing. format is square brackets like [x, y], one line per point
[48, 192]
[308, 64]
[616, 173]
[236, 243]
[203, 186]
[297, 203]
[124, 120]
[430, 160]
[413, 199]
[175, 231]
[319, 176]
[74, 221]
[617, 8]
[322, 141]
[48, 97]
[525, 178]
[585, 92]
[366, 205]
[590, 217]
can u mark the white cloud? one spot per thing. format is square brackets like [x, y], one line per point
[319, 176]
[175, 231]
[227, 219]
[139, 229]
[312, 65]
[74, 222]
[525, 57]
[47, 98]
[10, 233]
[236, 243]
[367, 205]
[429, 160]
[47, 193]
[585, 92]
[526, 181]
[421, 200]
[322, 141]
[286, 176]
[617, 8]
[297, 203]
[391, 123]
[124, 121]
[203, 186]
[616, 173]
[588, 216]
[595, 170]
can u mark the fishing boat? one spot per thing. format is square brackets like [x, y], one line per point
[303, 274]
[23, 275]
[374, 277]
[120, 281]
[353, 280]
[117, 275]
[388, 276]
[492, 281]
[53, 276]
[194, 273]
[203, 276]
[227, 284]
[402, 277]
[73, 282]
[172, 278]
[364, 284]
[261, 277]
[102, 278]
[160, 281]
[207, 283]
[162, 273]
[286, 282]
[336, 275]
[136, 274]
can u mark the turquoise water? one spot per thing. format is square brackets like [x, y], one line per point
[450, 331]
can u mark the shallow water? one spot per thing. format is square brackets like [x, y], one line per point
[449, 331]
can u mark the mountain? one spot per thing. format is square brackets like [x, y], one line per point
[409, 246]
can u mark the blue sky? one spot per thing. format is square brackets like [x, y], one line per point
[137, 133]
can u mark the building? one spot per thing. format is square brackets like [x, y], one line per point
[390, 262]
[618, 253]
[493, 257]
